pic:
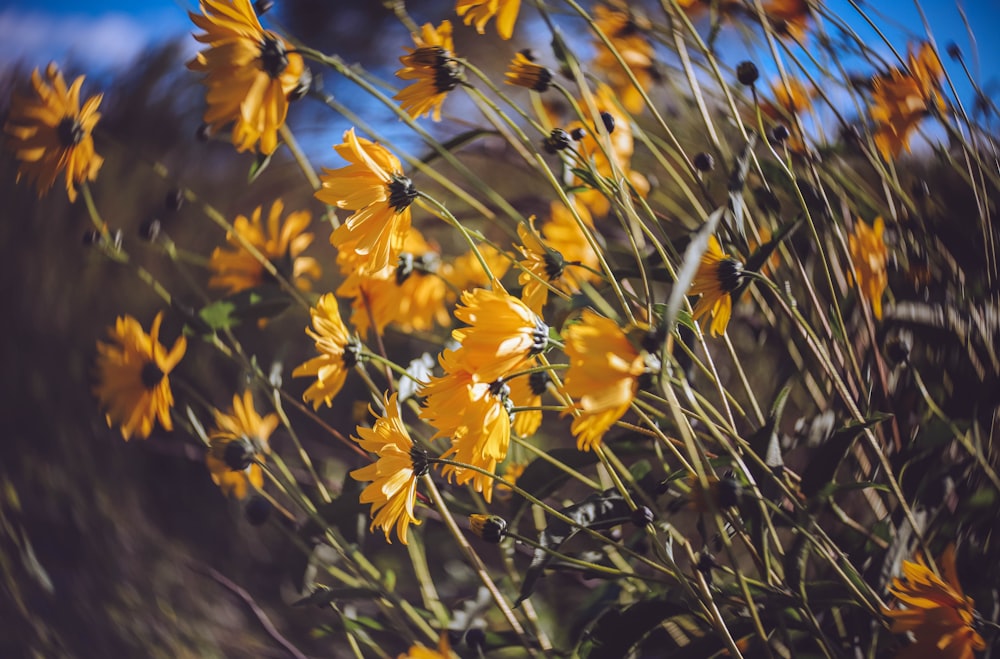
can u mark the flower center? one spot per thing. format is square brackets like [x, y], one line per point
[151, 375]
[352, 353]
[730, 274]
[401, 193]
[70, 132]
[418, 457]
[539, 338]
[405, 268]
[554, 264]
[538, 382]
[273, 58]
[447, 72]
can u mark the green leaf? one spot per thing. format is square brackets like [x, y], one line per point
[265, 301]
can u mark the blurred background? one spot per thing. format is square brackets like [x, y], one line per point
[110, 548]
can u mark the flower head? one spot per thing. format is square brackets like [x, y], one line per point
[937, 613]
[338, 353]
[790, 18]
[49, 132]
[282, 243]
[901, 99]
[481, 11]
[526, 391]
[718, 277]
[627, 33]
[604, 370]
[503, 334]
[562, 257]
[134, 390]
[870, 257]
[247, 428]
[466, 272]
[433, 68]
[393, 488]
[373, 186]
[418, 651]
[249, 71]
[524, 72]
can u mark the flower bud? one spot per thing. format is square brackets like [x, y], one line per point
[491, 528]
[704, 162]
[747, 73]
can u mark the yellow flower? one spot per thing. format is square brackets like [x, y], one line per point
[604, 370]
[719, 276]
[626, 33]
[790, 18]
[394, 474]
[249, 71]
[466, 272]
[523, 72]
[134, 390]
[511, 473]
[503, 334]
[902, 99]
[481, 11]
[49, 132]
[338, 353]
[870, 257]
[281, 243]
[418, 651]
[526, 391]
[247, 431]
[434, 69]
[564, 258]
[412, 296]
[938, 614]
[373, 186]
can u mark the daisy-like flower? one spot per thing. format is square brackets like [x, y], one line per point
[511, 473]
[626, 32]
[503, 334]
[788, 102]
[394, 474]
[603, 376]
[524, 72]
[900, 100]
[466, 272]
[790, 18]
[234, 441]
[937, 613]
[134, 390]
[50, 133]
[481, 11]
[338, 353]
[373, 186]
[249, 71]
[870, 256]
[562, 256]
[433, 68]
[719, 276]
[526, 391]
[282, 243]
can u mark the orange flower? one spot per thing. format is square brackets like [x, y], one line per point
[373, 186]
[246, 428]
[466, 272]
[338, 353]
[564, 258]
[481, 11]
[434, 69]
[938, 615]
[790, 18]
[870, 257]
[523, 72]
[626, 33]
[249, 71]
[719, 276]
[900, 100]
[49, 132]
[526, 391]
[604, 370]
[282, 243]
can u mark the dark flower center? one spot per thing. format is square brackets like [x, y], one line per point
[352, 353]
[151, 375]
[539, 338]
[70, 132]
[447, 72]
[401, 193]
[554, 265]
[238, 454]
[273, 58]
[405, 268]
[418, 457]
[730, 274]
[538, 382]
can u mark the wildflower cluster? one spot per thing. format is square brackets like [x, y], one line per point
[584, 316]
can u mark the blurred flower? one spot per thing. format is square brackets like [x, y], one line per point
[511, 473]
[523, 72]
[134, 390]
[243, 425]
[773, 261]
[466, 272]
[49, 132]
[526, 391]
[282, 243]
[938, 615]
[870, 257]
[481, 11]
[627, 34]
[790, 18]
[338, 353]
[503, 334]
[719, 276]
[900, 100]
[604, 370]
[491, 528]
[562, 257]
[434, 69]
[249, 71]
[788, 102]
[373, 186]
[418, 651]
[393, 476]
